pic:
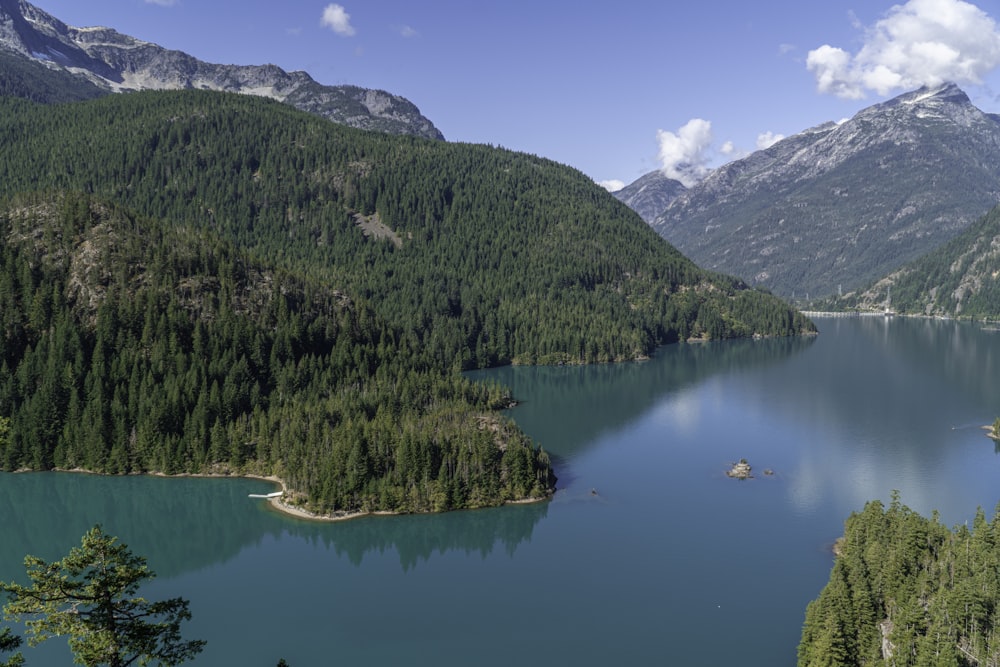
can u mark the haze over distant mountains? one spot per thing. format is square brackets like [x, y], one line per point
[110, 61]
[839, 205]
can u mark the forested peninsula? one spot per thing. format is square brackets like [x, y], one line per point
[200, 282]
[907, 591]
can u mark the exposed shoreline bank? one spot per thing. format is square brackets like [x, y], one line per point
[278, 504]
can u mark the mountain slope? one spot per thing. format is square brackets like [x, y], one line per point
[412, 260]
[839, 205]
[650, 194]
[131, 345]
[30, 80]
[482, 234]
[116, 62]
[958, 279]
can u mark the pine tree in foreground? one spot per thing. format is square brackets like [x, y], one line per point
[90, 596]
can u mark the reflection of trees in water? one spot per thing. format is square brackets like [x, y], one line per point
[185, 524]
[894, 376]
[177, 524]
[580, 402]
[417, 537]
[961, 354]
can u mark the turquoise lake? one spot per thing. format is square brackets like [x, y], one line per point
[648, 553]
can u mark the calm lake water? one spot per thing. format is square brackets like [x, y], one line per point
[648, 554]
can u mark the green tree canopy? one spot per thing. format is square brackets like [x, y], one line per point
[90, 596]
[9, 642]
[907, 591]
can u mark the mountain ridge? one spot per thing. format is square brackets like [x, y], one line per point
[843, 203]
[116, 62]
[650, 194]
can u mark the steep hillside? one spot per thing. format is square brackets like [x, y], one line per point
[650, 195]
[840, 205]
[30, 80]
[131, 345]
[493, 256]
[110, 61]
[343, 276]
[959, 279]
[906, 590]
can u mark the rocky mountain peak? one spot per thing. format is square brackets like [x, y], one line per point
[118, 63]
[843, 203]
[945, 102]
[650, 194]
[945, 93]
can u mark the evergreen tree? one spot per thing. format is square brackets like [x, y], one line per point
[200, 282]
[905, 590]
[10, 642]
[90, 596]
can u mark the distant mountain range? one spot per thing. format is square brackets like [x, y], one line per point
[839, 205]
[101, 60]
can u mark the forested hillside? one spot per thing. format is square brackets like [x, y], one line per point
[959, 279]
[21, 77]
[133, 346]
[282, 294]
[507, 256]
[906, 590]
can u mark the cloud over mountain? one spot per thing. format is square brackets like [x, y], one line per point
[921, 42]
[685, 155]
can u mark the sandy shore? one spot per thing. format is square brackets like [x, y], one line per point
[279, 505]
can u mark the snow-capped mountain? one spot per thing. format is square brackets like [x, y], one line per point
[840, 204]
[117, 62]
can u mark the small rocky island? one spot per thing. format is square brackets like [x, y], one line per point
[740, 470]
[743, 470]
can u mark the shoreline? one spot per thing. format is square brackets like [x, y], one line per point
[277, 504]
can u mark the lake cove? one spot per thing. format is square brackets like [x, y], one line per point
[647, 554]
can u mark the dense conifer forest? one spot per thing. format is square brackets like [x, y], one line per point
[907, 591]
[197, 282]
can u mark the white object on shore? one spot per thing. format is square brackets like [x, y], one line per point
[276, 494]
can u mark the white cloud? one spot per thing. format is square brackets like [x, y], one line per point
[407, 31]
[733, 152]
[768, 139]
[614, 185]
[685, 155]
[921, 42]
[162, 3]
[338, 20]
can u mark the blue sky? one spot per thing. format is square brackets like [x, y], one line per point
[613, 89]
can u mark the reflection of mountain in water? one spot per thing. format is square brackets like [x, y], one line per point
[581, 402]
[186, 524]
